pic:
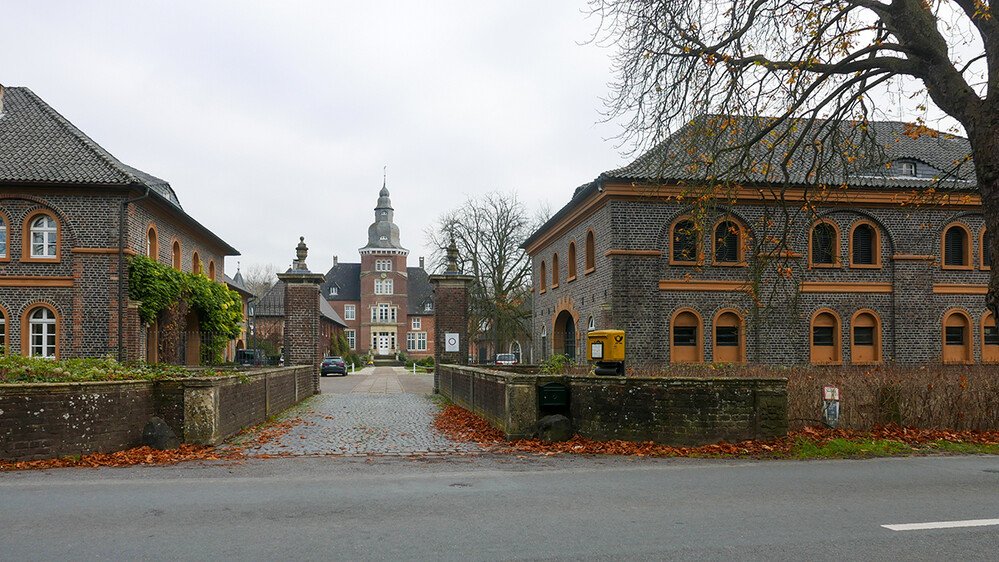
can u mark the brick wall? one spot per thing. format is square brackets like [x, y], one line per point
[669, 411]
[623, 291]
[302, 342]
[48, 420]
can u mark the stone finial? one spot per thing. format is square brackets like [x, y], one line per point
[302, 251]
[452, 258]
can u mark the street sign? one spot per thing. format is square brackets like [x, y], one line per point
[451, 342]
[830, 393]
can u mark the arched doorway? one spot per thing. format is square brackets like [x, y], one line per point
[565, 335]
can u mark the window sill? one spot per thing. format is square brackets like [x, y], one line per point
[865, 266]
[824, 266]
[684, 263]
[554, 286]
[730, 264]
[867, 362]
[589, 270]
[570, 279]
[957, 267]
[542, 291]
[28, 259]
[828, 363]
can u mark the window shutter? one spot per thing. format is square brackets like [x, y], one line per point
[863, 245]
[954, 246]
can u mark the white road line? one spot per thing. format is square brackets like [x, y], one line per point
[942, 525]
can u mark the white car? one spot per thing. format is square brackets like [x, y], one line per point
[506, 359]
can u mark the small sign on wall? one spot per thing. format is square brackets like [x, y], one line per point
[451, 342]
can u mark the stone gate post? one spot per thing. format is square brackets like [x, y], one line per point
[450, 314]
[302, 343]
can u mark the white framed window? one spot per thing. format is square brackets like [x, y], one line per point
[383, 265]
[351, 339]
[417, 323]
[907, 169]
[349, 313]
[428, 307]
[395, 314]
[42, 324]
[3, 333]
[383, 313]
[44, 234]
[334, 291]
[384, 286]
[416, 341]
[591, 325]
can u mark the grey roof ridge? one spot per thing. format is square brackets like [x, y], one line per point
[82, 137]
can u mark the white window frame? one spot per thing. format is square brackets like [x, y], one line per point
[351, 339]
[383, 265]
[384, 286]
[416, 341]
[907, 169]
[44, 234]
[417, 324]
[383, 313]
[42, 330]
[349, 312]
[411, 341]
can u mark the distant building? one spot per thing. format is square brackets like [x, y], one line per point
[63, 290]
[387, 306]
[269, 319]
[865, 278]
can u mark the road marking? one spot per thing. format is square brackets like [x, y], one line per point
[942, 525]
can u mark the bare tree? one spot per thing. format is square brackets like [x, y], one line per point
[488, 231]
[259, 278]
[810, 66]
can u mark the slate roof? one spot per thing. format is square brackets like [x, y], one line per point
[704, 148]
[272, 304]
[347, 278]
[236, 283]
[707, 147]
[38, 145]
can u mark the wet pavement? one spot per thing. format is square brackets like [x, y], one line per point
[375, 412]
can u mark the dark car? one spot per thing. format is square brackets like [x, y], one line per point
[333, 365]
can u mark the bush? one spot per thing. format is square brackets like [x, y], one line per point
[18, 369]
[955, 397]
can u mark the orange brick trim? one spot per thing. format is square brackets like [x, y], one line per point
[35, 281]
[959, 289]
[821, 287]
[682, 285]
[128, 252]
[641, 253]
[913, 257]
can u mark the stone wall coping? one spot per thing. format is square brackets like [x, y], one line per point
[520, 378]
[97, 386]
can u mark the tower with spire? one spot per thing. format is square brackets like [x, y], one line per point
[386, 304]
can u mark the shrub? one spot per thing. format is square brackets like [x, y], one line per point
[18, 369]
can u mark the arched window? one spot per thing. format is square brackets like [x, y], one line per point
[728, 242]
[554, 270]
[3, 237]
[175, 255]
[3, 331]
[42, 332]
[196, 263]
[730, 341]
[544, 342]
[686, 337]
[956, 247]
[865, 247]
[44, 236]
[957, 346]
[824, 245]
[826, 347]
[591, 252]
[152, 244]
[985, 244]
[865, 338]
[591, 325]
[684, 239]
[544, 278]
[990, 339]
[572, 262]
[211, 270]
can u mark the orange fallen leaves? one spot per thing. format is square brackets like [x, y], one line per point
[461, 425]
[130, 457]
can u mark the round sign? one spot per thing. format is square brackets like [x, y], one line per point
[452, 341]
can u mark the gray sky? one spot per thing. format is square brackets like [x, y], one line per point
[273, 120]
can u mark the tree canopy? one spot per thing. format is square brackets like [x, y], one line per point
[809, 66]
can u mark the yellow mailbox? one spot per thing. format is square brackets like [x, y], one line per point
[605, 345]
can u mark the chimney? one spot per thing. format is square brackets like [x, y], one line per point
[421, 262]
[334, 261]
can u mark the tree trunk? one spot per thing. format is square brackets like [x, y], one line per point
[985, 151]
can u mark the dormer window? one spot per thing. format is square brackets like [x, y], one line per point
[907, 169]
[383, 238]
[333, 291]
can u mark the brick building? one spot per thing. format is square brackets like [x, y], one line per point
[387, 306]
[877, 269]
[70, 215]
[269, 317]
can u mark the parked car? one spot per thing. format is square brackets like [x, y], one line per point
[333, 365]
[506, 359]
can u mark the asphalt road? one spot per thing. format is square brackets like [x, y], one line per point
[498, 507]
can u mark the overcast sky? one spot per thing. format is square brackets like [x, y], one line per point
[273, 120]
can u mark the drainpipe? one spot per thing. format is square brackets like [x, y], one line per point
[121, 271]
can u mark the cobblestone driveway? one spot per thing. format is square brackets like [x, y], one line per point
[368, 413]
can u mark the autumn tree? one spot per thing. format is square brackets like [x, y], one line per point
[809, 66]
[488, 231]
[259, 278]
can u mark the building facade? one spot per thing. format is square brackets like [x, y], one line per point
[71, 214]
[386, 305]
[891, 265]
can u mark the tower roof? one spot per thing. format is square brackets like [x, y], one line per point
[383, 234]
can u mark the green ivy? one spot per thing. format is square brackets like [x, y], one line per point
[220, 310]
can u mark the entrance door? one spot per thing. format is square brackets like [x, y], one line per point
[383, 345]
